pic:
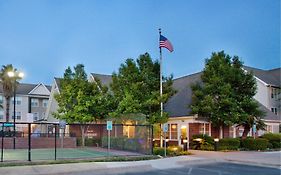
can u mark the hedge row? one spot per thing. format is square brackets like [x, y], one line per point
[170, 151]
[274, 140]
[266, 141]
[254, 144]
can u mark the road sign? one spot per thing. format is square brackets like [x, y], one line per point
[8, 124]
[165, 127]
[109, 125]
[254, 128]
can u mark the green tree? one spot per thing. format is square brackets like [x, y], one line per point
[80, 101]
[136, 89]
[225, 95]
[8, 84]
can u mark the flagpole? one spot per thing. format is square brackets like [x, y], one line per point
[161, 91]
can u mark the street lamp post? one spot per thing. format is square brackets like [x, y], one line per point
[15, 75]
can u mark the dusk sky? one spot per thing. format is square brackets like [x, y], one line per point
[43, 37]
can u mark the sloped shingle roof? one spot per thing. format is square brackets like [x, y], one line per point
[24, 88]
[271, 77]
[105, 79]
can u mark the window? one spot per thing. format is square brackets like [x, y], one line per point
[275, 93]
[18, 116]
[129, 131]
[45, 103]
[34, 102]
[18, 100]
[231, 131]
[274, 110]
[35, 116]
[201, 128]
[174, 131]
[43, 115]
[1, 114]
[268, 128]
[1, 99]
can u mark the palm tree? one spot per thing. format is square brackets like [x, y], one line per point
[8, 84]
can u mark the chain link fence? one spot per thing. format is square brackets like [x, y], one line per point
[51, 141]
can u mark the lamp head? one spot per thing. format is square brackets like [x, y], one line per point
[11, 74]
[21, 75]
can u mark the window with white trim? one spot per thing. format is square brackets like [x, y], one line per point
[1, 99]
[18, 115]
[34, 102]
[174, 131]
[35, 116]
[18, 100]
[1, 114]
[45, 103]
[274, 110]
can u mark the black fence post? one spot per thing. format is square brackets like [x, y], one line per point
[2, 144]
[152, 144]
[29, 142]
[55, 142]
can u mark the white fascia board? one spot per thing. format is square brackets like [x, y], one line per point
[37, 87]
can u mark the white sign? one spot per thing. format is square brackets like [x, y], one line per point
[165, 127]
[109, 125]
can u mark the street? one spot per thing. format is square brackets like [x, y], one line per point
[218, 168]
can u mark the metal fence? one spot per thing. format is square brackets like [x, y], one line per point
[51, 141]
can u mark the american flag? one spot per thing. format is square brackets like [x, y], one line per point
[164, 42]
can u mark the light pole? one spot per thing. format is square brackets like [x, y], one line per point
[15, 75]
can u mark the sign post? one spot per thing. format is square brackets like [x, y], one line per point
[165, 130]
[109, 128]
[254, 129]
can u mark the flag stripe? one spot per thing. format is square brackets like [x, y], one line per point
[164, 42]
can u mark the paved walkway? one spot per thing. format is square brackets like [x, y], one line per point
[257, 158]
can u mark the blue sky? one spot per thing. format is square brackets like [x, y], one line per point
[43, 37]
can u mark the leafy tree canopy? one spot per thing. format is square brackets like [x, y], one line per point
[136, 88]
[225, 95]
[79, 100]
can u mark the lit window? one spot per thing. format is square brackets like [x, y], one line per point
[34, 102]
[129, 131]
[201, 128]
[174, 131]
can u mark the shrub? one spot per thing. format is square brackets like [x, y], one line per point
[92, 142]
[206, 140]
[79, 141]
[229, 144]
[274, 139]
[171, 151]
[207, 147]
[255, 144]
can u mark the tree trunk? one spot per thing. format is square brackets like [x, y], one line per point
[246, 131]
[7, 108]
[83, 134]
